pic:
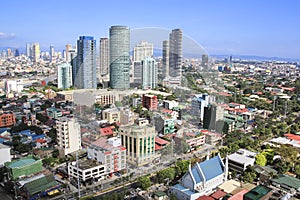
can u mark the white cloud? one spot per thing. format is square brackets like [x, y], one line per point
[4, 36]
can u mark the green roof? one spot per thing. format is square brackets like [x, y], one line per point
[290, 181]
[21, 163]
[257, 193]
[40, 185]
[160, 194]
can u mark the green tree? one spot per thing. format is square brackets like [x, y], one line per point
[181, 167]
[165, 174]
[55, 153]
[261, 159]
[52, 134]
[42, 118]
[144, 182]
[297, 170]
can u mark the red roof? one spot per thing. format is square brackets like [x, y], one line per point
[218, 194]
[157, 147]
[84, 130]
[41, 140]
[160, 141]
[106, 131]
[239, 195]
[204, 197]
[292, 136]
[225, 94]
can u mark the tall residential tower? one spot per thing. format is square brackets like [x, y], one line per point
[85, 70]
[104, 56]
[175, 53]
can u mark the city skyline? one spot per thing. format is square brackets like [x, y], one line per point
[261, 28]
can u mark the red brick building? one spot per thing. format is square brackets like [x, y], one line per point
[150, 102]
[7, 119]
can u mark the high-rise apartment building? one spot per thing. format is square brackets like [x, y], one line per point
[28, 50]
[68, 135]
[68, 47]
[36, 52]
[139, 141]
[165, 59]
[64, 75]
[85, 70]
[104, 56]
[142, 50]
[149, 73]
[52, 52]
[119, 48]
[175, 53]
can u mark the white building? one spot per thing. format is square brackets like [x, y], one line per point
[142, 51]
[109, 152]
[88, 170]
[201, 179]
[68, 135]
[14, 86]
[4, 154]
[64, 76]
[240, 160]
[149, 73]
[199, 102]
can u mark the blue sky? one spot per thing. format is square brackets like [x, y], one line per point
[248, 27]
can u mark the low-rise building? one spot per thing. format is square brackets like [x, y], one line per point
[109, 152]
[111, 115]
[150, 102]
[260, 192]
[23, 167]
[240, 160]
[87, 170]
[54, 112]
[287, 183]
[4, 154]
[201, 179]
[7, 119]
[139, 142]
[37, 186]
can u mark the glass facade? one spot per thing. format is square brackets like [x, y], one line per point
[119, 48]
[85, 74]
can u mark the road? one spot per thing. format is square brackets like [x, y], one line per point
[108, 187]
[4, 195]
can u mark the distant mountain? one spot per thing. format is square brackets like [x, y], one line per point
[255, 58]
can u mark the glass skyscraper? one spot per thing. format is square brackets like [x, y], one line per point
[149, 73]
[85, 70]
[175, 54]
[64, 76]
[119, 48]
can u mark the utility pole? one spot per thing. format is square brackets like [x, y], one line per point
[78, 178]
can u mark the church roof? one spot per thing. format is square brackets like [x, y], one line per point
[207, 170]
[212, 168]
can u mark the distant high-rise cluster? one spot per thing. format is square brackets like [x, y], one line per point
[113, 66]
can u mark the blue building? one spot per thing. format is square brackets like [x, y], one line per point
[85, 67]
[201, 179]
